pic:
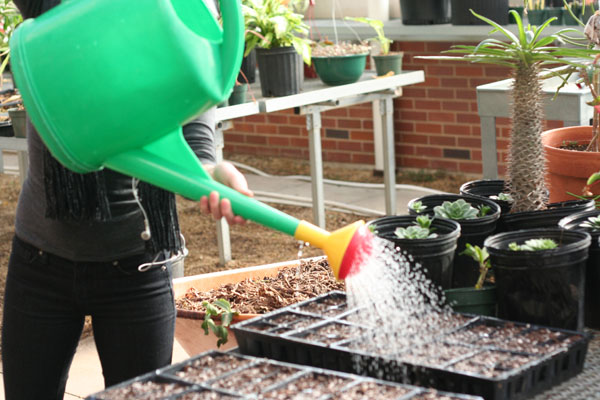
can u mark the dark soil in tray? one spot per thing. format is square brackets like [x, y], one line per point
[329, 307]
[209, 367]
[333, 333]
[255, 379]
[147, 390]
[206, 395]
[310, 386]
[370, 390]
[435, 354]
[492, 363]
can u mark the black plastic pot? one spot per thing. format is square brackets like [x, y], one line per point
[435, 255]
[248, 68]
[496, 10]
[473, 301]
[6, 129]
[519, 10]
[543, 287]
[425, 12]
[280, 71]
[592, 273]
[238, 94]
[473, 231]
[18, 120]
[547, 218]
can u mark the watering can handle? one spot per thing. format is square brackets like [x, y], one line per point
[232, 46]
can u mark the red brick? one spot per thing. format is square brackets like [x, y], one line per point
[502, 144]
[367, 124]
[361, 113]
[243, 127]
[455, 82]
[497, 72]
[405, 149]
[410, 138]
[338, 157]
[413, 115]
[502, 121]
[476, 130]
[361, 135]
[411, 162]
[289, 130]
[405, 103]
[233, 137]
[428, 105]
[349, 123]
[277, 118]
[470, 71]
[416, 47]
[255, 139]
[431, 81]
[266, 128]
[329, 122]
[440, 93]
[291, 152]
[455, 106]
[476, 155]
[368, 147]
[257, 118]
[298, 142]
[469, 142]
[456, 130]
[337, 112]
[470, 168]
[429, 151]
[278, 141]
[363, 158]
[428, 128]
[414, 92]
[349, 146]
[441, 116]
[468, 118]
[437, 47]
[444, 164]
[442, 140]
[466, 94]
[438, 70]
[299, 120]
[405, 127]
[328, 144]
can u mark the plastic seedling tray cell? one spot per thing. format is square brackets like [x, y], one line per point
[308, 386]
[147, 387]
[500, 360]
[204, 369]
[332, 332]
[327, 306]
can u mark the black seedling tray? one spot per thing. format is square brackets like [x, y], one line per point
[477, 355]
[230, 375]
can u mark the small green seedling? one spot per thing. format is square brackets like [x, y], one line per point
[503, 197]
[418, 207]
[484, 210]
[220, 308]
[592, 223]
[377, 25]
[534, 245]
[421, 229]
[458, 209]
[482, 257]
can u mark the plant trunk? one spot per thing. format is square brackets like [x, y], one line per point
[526, 158]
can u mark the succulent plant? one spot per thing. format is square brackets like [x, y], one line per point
[418, 207]
[592, 223]
[458, 209]
[534, 245]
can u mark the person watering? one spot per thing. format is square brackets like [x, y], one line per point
[98, 244]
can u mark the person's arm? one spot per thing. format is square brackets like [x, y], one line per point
[199, 133]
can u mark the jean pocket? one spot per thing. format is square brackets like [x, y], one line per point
[27, 253]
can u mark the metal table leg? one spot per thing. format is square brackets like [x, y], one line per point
[313, 125]
[223, 237]
[489, 153]
[386, 109]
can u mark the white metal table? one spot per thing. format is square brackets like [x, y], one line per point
[569, 106]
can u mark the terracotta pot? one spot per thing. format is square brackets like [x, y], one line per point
[568, 170]
[188, 325]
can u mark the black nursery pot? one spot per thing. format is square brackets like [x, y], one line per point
[592, 272]
[280, 71]
[547, 218]
[496, 10]
[541, 287]
[425, 12]
[248, 68]
[435, 255]
[473, 231]
[486, 188]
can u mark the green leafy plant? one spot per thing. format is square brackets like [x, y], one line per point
[271, 24]
[458, 209]
[421, 229]
[528, 52]
[377, 25]
[533, 245]
[592, 223]
[482, 257]
[10, 18]
[222, 309]
[418, 207]
[503, 197]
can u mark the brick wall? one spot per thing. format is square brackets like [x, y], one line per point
[436, 122]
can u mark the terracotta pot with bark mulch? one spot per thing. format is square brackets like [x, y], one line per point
[251, 291]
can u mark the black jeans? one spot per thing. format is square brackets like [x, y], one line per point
[46, 300]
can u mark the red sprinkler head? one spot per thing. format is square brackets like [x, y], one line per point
[357, 253]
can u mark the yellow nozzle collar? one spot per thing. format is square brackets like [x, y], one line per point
[333, 244]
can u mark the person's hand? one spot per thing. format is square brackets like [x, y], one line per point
[229, 175]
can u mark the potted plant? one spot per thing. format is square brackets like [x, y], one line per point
[238, 94]
[477, 218]
[540, 275]
[479, 299]
[340, 63]
[425, 12]
[535, 11]
[430, 242]
[278, 34]
[10, 18]
[386, 61]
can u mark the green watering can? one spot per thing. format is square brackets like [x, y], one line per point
[110, 83]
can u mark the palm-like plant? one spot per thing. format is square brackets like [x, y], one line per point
[527, 53]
